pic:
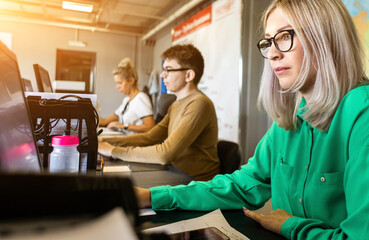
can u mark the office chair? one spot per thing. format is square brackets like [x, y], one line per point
[164, 102]
[229, 156]
[146, 90]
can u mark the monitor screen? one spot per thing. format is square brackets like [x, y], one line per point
[42, 78]
[18, 151]
[27, 85]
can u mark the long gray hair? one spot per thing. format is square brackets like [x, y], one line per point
[331, 46]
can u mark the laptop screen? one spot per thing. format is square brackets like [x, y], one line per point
[18, 151]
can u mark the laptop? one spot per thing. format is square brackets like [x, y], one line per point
[18, 150]
[28, 192]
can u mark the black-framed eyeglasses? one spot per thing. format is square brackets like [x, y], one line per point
[282, 40]
[167, 71]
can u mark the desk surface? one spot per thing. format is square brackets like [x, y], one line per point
[235, 218]
[145, 176]
[151, 175]
[106, 132]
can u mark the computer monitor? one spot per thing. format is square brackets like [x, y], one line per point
[27, 85]
[18, 151]
[42, 79]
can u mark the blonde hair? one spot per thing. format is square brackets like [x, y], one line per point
[331, 46]
[126, 70]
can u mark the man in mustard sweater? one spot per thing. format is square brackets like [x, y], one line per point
[187, 136]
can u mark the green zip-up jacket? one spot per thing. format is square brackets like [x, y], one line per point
[321, 178]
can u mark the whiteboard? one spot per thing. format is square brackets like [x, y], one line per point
[219, 40]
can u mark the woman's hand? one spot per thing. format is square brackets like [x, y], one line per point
[105, 148]
[272, 221]
[143, 196]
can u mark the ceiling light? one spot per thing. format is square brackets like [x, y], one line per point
[77, 6]
[75, 43]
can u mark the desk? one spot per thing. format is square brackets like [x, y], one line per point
[157, 175]
[235, 218]
[107, 133]
[150, 175]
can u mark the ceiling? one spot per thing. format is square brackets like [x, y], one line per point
[130, 17]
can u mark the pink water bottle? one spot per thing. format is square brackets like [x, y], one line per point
[64, 157]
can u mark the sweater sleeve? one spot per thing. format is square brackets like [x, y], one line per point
[156, 135]
[248, 187]
[193, 121]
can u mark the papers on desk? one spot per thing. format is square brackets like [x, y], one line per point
[116, 169]
[146, 212]
[212, 219]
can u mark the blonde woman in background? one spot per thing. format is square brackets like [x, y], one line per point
[135, 114]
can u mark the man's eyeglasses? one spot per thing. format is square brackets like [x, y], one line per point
[282, 40]
[167, 71]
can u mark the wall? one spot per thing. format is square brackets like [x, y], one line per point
[162, 43]
[38, 43]
[253, 123]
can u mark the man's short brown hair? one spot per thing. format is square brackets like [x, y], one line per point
[187, 56]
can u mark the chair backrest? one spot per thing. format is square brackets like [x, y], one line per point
[145, 90]
[164, 102]
[229, 156]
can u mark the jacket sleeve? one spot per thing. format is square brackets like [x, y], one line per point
[248, 187]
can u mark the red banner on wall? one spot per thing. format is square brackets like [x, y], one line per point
[199, 20]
